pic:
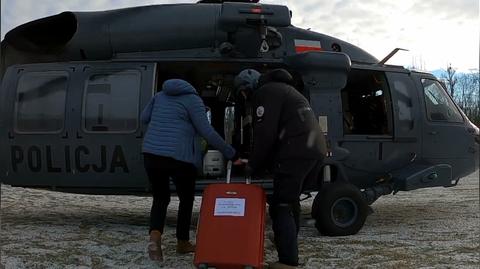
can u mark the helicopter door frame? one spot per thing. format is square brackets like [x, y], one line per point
[406, 110]
[107, 125]
[366, 94]
[445, 136]
[37, 123]
[98, 161]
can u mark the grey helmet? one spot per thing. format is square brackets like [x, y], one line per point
[246, 80]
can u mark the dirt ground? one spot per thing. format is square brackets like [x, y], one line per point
[429, 228]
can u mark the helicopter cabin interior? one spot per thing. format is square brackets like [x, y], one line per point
[366, 100]
[366, 104]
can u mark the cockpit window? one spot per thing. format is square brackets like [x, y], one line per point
[439, 105]
[111, 102]
[40, 102]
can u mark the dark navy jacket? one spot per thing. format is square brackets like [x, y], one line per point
[176, 119]
[285, 126]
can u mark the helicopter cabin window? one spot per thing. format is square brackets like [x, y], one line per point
[439, 105]
[366, 104]
[40, 102]
[111, 102]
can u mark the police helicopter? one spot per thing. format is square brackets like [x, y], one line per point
[73, 86]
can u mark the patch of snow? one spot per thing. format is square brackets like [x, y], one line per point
[427, 228]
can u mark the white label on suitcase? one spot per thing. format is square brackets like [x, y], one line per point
[229, 207]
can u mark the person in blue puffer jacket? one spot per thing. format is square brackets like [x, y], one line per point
[176, 118]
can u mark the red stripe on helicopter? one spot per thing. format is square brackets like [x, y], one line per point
[300, 49]
[307, 45]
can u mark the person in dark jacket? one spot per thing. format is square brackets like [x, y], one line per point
[288, 141]
[176, 118]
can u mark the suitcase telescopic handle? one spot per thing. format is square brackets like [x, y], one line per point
[229, 171]
[229, 174]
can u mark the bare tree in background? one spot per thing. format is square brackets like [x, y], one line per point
[468, 97]
[465, 90]
[450, 79]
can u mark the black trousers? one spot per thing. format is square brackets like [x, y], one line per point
[160, 169]
[284, 205]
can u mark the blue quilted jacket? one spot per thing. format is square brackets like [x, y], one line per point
[176, 119]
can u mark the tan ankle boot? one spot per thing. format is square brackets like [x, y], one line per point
[184, 247]
[154, 247]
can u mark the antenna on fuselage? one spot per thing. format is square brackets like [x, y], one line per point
[390, 55]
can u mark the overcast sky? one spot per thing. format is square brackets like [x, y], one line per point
[436, 32]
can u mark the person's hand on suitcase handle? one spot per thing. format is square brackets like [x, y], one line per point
[240, 161]
[248, 169]
[237, 160]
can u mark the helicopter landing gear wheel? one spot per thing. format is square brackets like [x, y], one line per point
[339, 209]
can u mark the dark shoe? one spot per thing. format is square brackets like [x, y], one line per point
[184, 247]
[279, 265]
[154, 247]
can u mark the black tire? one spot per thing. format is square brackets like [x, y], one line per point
[339, 209]
[203, 266]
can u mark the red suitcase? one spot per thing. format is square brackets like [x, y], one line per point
[230, 231]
